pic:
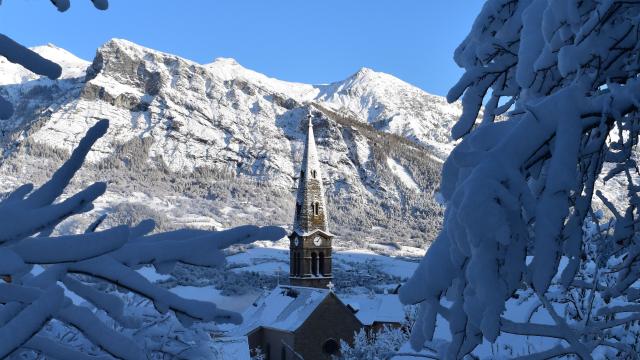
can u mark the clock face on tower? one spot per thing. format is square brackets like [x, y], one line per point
[317, 241]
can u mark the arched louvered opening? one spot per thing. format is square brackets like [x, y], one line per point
[321, 269]
[314, 263]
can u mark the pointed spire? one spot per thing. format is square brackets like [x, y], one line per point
[310, 204]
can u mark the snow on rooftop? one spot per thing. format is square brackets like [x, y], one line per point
[375, 308]
[285, 308]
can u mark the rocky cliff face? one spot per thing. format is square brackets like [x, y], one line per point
[218, 144]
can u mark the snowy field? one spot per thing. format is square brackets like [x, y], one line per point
[392, 264]
[369, 268]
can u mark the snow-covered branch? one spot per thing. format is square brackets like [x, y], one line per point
[518, 188]
[27, 302]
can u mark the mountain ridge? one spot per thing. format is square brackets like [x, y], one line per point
[172, 118]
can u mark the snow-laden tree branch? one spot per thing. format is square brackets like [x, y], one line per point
[32, 61]
[27, 302]
[519, 187]
[63, 5]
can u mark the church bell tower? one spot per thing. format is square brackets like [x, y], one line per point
[310, 242]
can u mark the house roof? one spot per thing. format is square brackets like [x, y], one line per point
[376, 308]
[285, 308]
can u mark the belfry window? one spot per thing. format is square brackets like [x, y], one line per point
[314, 263]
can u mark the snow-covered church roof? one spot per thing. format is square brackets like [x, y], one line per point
[369, 309]
[285, 308]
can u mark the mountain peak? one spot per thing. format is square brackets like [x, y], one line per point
[134, 50]
[59, 55]
[47, 45]
[72, 66]
[365, 71]
[126, 46]
[117, 42]
[226, 61]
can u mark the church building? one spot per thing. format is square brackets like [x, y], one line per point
[310, 242]
[306, 320]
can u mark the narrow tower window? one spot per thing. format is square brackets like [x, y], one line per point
[316, 208]
[313, 173]
[314, 263]
[321, 264]
[294, 270]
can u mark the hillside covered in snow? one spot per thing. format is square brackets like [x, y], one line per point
[190, 143]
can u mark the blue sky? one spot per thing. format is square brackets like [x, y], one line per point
[294, 40]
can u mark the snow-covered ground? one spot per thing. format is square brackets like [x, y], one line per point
[273, 258]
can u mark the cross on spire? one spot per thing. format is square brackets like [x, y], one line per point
[330, 286]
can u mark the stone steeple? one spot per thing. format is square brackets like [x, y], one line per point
[310, 245]
[310, 205]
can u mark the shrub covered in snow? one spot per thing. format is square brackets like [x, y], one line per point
[518, 188]
[373, 345]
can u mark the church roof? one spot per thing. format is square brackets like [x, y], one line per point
[369, 309]
[310, 187]
[285, 308]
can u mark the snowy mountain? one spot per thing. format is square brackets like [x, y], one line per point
[217, 145]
